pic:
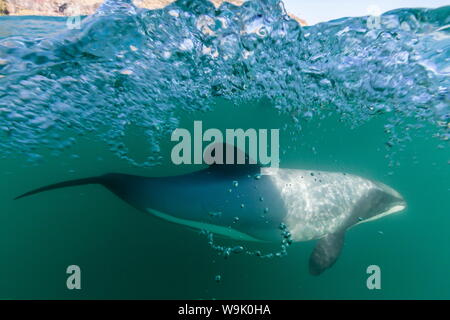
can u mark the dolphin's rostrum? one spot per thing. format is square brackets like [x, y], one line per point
[312, 204]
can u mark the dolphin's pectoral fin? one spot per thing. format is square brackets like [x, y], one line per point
[326, 252]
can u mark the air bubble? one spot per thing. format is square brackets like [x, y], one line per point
[238, 249]
[215, 213]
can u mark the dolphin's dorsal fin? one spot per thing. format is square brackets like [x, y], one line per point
[227, 158]
[326, 252]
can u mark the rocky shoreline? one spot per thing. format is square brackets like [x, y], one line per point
[66, 7]
[82, 7]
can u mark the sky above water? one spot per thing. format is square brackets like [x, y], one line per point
[325, 10]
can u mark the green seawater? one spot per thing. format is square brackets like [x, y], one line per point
[124, 253]
[377, 115]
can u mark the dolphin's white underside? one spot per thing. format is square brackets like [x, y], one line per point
[220, 230]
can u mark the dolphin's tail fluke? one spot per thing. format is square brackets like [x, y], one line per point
[71, 183]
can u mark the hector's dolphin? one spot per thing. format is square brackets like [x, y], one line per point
[249, 202]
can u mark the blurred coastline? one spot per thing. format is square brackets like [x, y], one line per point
[84, 7]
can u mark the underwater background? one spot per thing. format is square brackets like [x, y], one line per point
[347, 95]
